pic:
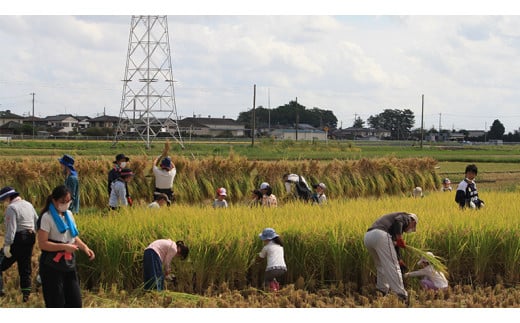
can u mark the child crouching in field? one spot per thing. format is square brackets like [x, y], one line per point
[432, 279]
[273, 251]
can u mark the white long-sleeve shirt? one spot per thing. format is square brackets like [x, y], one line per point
[437, 278]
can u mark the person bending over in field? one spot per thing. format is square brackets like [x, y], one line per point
[381, 238]
[431, 278]
[467, 194]
[157, 262]
[302, 189]
[273, 251]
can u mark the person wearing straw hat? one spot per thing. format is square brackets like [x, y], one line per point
[71, 180]
[431, 278]
[220, 200]
[381, 240]
[273, 252]
[19, 239]
[118, 193]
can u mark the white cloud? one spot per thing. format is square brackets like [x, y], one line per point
[466, 66]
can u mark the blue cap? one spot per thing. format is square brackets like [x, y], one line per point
[268, 234]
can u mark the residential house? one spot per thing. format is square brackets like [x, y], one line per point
[104, 121]
[300, 134]
[7, 116]
[212, 127]
[63, 123]
[361, 133]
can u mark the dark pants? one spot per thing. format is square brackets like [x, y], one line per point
[270, 275]
[153, 271]
[21, 250]
[167, 191]
[60, 289]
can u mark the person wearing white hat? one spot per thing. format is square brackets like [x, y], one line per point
[319, 196]
[274, 253]
[220, 200]
[431, 278]
[383, 240]
[446, 185]
[19, 239]
[268, 198]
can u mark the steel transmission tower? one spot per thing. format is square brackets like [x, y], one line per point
[148, 106]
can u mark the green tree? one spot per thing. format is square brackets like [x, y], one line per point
[497, 130]
[288, 115]
[398, 122]
[358, 123]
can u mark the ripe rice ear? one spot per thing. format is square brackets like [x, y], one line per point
[435, 261]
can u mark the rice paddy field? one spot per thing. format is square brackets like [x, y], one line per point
[328, 266]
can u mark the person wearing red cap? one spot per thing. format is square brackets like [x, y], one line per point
[220, 200]
[20, 237]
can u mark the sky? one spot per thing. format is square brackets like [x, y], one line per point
[356, 61]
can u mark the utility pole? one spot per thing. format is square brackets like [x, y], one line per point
[254, 117]
[269, 109]
[33, 126]
[297, 118]
[422, 120]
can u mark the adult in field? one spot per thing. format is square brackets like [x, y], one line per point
[157, 260]
[118, 194]
[71, 180]
[120, 162]
[268, 198]
[164, 172]
[58, 239]
[301, 188]
[381, 238]
[467, 194]
[20, 236]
